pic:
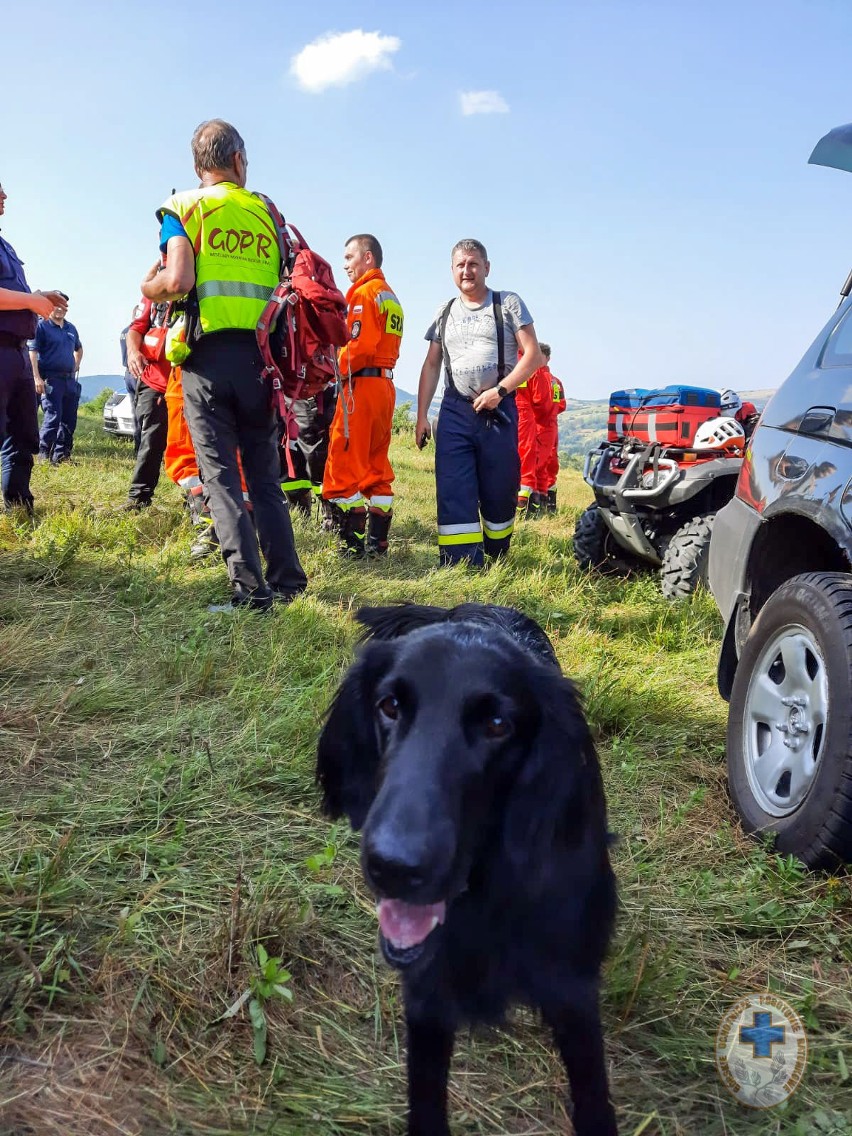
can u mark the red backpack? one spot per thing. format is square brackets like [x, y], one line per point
[303, 324]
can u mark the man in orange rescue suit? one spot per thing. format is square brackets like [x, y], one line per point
[547, 433]
[358, 475]
[222, 255]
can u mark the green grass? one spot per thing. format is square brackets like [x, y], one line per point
[159, 824]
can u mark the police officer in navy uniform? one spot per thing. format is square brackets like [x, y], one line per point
[19, 309]
[55, 354]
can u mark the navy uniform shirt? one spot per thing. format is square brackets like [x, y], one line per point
[22, 322]
[55, 346]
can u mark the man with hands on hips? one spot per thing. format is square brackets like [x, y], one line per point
[477, 335]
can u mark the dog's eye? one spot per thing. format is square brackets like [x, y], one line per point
[389, 707]
[497, 727]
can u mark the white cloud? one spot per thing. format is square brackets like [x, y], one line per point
[339, 58]
[483, 102]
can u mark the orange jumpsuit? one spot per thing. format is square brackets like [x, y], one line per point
[533, 397]
[358, 473]
[547, 412]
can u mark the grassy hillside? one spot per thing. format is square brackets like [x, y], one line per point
[159, 831]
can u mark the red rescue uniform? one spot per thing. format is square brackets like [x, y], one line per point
[534, 400]
[358, 472]
[547, 410]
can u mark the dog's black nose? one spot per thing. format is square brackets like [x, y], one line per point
[392, 873]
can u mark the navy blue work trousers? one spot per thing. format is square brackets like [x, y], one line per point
[18, 425]
[477, 475]
[59, 402]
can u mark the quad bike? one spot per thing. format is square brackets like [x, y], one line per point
[656, 500]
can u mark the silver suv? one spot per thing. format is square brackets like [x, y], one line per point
[780, 568]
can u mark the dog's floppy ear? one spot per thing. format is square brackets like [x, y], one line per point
[398, 619]
[556, 800]
[347, 750]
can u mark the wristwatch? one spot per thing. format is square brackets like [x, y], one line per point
[501, 390]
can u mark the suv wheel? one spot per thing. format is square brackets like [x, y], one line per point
[595, 547]
[685, 558]
[790, 720]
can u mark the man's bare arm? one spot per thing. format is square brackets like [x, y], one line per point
[430, 374]
[135, 358]
[177, 277]
[42, 303]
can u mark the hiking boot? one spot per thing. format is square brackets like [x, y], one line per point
[205, 545]
[353, 533]
[258, 600]
[198, 511]
[550, 504]
[283, 596]
[535, 508]
[301, 500]
[328, 523]
[378, 526]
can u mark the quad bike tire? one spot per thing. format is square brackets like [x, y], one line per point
[789, 742]
[685, 558]
[596, 549]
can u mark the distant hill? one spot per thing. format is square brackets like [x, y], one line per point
[582, 425]
[93, 385]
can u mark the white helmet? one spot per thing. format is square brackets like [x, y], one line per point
[720, 434]
[731, 401]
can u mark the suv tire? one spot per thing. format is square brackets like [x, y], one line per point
[790, 720]
[685, 558]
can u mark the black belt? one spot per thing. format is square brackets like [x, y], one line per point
[9, 340]
[374, 373]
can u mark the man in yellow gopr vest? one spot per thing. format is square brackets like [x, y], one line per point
[221, 251]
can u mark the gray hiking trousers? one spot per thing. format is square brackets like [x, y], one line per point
[228, 408]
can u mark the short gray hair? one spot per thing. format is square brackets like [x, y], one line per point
[470, 244]
[544, 348]
[215, 145]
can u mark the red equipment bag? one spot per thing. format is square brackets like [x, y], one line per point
[671, 415]
[623, 405]
[303, 324]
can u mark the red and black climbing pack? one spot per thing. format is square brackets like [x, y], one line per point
[303, 324]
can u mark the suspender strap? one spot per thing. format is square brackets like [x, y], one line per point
[448, 371]
[501, 346]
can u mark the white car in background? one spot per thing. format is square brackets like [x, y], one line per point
[119, 418]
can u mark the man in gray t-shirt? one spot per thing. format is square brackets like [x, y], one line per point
[478, 336]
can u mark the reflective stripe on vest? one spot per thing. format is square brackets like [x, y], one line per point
[236, 253]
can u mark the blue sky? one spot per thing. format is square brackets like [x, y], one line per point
[637, 168]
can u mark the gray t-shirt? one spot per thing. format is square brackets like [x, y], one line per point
[472, 339]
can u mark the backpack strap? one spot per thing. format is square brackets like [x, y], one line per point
[275, 310]
[285, 246]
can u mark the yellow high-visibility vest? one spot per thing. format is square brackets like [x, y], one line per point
[237, 259]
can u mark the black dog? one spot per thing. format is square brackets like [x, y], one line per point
[459, 747]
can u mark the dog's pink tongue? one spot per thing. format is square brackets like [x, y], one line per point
[407, 924]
